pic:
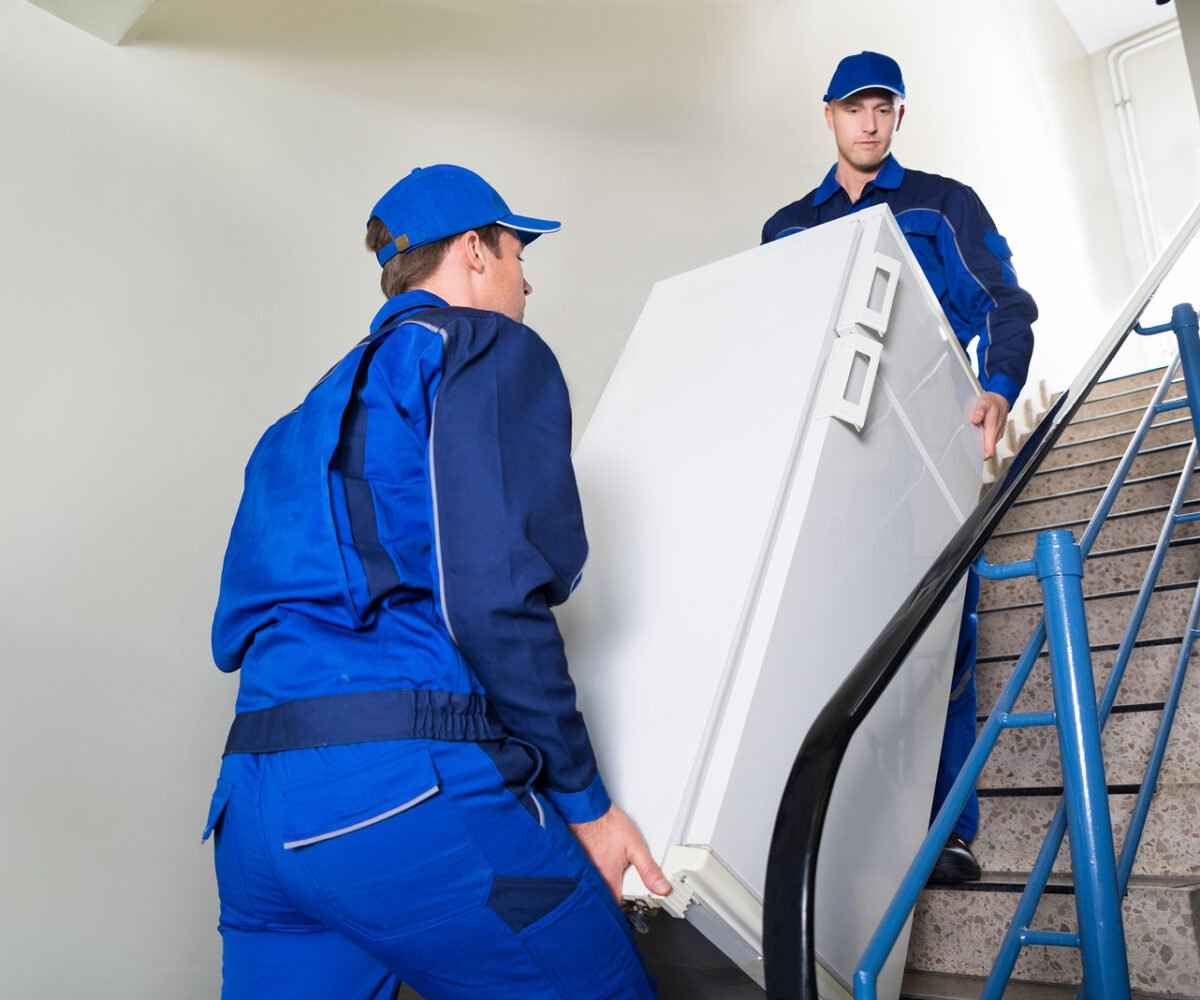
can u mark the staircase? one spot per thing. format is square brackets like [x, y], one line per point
[957, 930]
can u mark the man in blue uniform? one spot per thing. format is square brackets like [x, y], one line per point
[408, 792]
[969, 266]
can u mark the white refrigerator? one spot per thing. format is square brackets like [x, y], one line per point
[781, 452]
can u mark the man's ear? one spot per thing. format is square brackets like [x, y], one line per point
[900, 116]
[829, 116]
[471, 247]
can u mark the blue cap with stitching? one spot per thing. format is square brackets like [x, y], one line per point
[444, 200]
[865, 71]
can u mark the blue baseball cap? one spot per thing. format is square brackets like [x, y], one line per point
[865, 71]
[444, 200]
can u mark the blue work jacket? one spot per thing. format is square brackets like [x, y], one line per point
[965, 259]
[401, 539]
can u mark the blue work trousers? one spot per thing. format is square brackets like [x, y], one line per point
[959, 736]
[346, 870]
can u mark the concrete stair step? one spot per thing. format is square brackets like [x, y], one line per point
[1128, 398]
[1138, 526]
[1104, 572]
[946, 986]
[1076, 506]
[1004, 631]
[1029, 758]
[1147, 677]
[1126, 420]
[1099, 471]
[1168, 429]
[1122, 383]
[1012, 828]
[958, 930]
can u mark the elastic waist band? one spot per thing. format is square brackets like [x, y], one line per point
[363, 717]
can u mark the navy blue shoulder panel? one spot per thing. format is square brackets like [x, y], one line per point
[510, 535]
[790, 219]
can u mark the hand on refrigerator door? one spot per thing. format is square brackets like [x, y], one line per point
[614, 842]
[990, 413]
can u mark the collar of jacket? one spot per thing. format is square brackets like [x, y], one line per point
[405, 302]
[890, 177]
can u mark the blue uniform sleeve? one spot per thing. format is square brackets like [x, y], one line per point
[983, 292]
[511, 542]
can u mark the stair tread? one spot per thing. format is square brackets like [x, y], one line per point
[1059, 883]
[1083, 521]
[1113, 435]
[1155, 450]
[920, 985]
[1162, 588]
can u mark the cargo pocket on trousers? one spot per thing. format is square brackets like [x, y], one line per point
[583, 944]
[216, 808]
[383, 847]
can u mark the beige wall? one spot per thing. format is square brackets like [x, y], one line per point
[181, 222]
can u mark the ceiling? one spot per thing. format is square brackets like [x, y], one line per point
[1097, 23]
[1101, 23]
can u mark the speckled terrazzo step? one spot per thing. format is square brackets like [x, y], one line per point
[1012, 828]
[1099, 472]
[1121, 529]
[1123, 383]
[959, 931]
[1078, 506]
[1004, 632]
[1125, 420]
[1126, 399]
[945, 986]
[1105, 572]
[1167, 429]
[1147, 677]
[1029, 758]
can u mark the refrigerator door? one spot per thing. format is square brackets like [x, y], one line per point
[868, 511]
[781, 453]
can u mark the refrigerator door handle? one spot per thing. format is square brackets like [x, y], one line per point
[859, 310]
[846, 351]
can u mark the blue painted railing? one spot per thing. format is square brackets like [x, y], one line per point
[1100, 880]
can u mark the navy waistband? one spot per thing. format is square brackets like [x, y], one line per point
[363, 717]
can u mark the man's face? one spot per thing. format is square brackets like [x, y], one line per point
[862, 126]
[504, 287]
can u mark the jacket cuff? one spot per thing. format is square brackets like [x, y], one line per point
[582, 806]
[1004, 386]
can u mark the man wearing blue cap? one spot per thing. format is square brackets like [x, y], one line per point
[408, 792]
[969, 265]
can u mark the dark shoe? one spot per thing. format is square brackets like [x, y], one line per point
[955, 864]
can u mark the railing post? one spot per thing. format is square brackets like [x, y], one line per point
[1186, 326]
[1093, 859]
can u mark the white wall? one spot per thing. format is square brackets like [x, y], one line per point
[181, 258]
[1163, 148]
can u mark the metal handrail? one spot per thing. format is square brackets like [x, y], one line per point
[790, 898]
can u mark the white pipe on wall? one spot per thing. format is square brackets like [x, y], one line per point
[1118, 55]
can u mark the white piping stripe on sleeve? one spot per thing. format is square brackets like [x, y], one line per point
[966, 267]
[987, 351]
[541, 814]
[982, 287]
[291, 845]
[437, 527]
